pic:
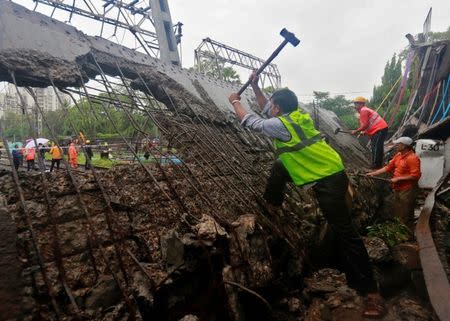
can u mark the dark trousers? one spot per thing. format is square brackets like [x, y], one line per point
[30, 165]
[87, 163]
[55, 161]
[331, 195]
[377, 145]
[16, 163]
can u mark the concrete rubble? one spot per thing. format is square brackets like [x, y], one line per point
[176, 242]
[189, 266]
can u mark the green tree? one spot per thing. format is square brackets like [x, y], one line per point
[339, 105]
[437, 36]
[16, 126]
[269, 90]
[392, 71]
[217, 69]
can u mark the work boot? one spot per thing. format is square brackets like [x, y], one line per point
[374, 307]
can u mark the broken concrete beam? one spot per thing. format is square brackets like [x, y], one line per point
[57, 51]
[54, 49]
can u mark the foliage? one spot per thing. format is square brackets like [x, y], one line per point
[217, 69]
[392, 71]
[107, 135]
[88, 117]
[269, 90]
[391, 232]
[16, 126]
[436, 35]
[339, 105]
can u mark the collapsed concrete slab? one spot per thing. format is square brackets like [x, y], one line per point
[57, 51]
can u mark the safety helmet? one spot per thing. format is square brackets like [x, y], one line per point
[360, 99]
[88, 141]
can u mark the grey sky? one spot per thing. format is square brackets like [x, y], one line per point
[345, 44]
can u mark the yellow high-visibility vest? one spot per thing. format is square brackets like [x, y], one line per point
[306, 156]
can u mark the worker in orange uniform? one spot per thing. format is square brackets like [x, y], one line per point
[405, 166]
[371, 124]
[56, 153]
[73, 156]
[30, 157]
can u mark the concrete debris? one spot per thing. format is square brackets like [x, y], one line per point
[208, 229]
[340, 303]
[172, 249]
[324, 281]
[103, 294]
[249, 253]
[407, 255]
[377, 249]
[182, 258]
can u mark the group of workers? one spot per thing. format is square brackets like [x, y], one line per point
[33, 154]
[306, 159]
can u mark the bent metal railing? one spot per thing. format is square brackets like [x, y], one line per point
[435, 277]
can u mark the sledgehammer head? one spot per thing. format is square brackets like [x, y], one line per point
[289, 37]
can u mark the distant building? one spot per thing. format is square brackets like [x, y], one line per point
[46, 99]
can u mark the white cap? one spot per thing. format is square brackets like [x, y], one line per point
[404, 140]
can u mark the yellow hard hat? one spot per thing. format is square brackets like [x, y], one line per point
[360, 99]
[88, 141]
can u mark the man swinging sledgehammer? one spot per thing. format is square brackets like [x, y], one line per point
[303, 158]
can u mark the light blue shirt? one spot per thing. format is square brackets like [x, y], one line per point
[270, 127]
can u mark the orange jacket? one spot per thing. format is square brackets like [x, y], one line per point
[31, 153]
[370, 122]
[55, 151]
[73, 154]
[407, 164]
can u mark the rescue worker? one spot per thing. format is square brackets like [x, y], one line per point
[30, 157]
[304, 158]
[405, 167]
[73, 156]
[371, 124]
[56, 154]
[16, 157]
[89, 154]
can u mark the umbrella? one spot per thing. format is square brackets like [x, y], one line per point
[42, 141]
[11, 145]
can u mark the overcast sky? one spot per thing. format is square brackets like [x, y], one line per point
[344, 44]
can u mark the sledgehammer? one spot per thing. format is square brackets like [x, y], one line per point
[289, 37]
